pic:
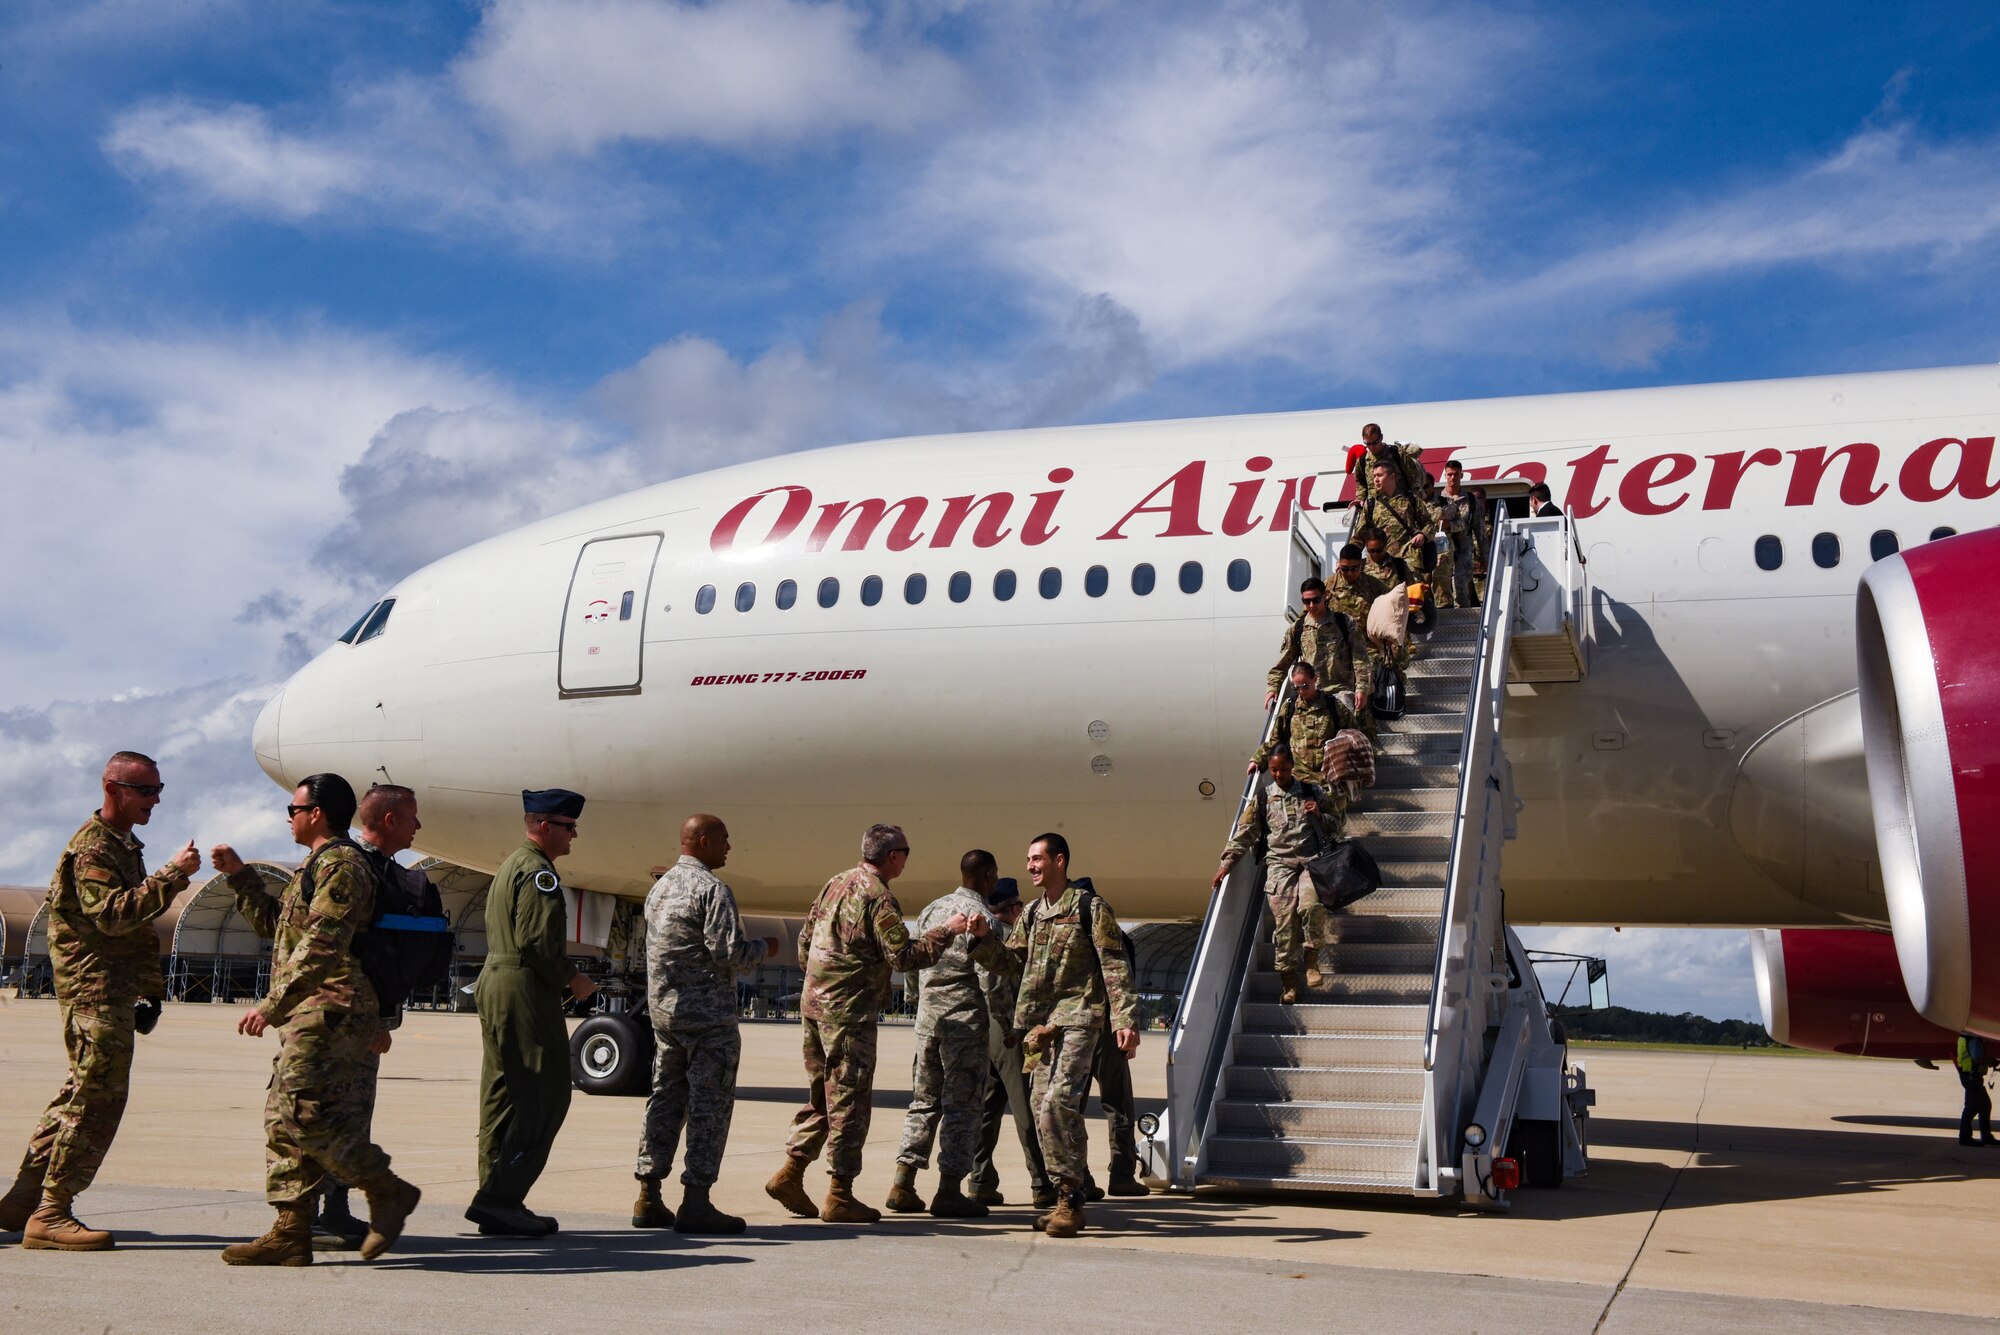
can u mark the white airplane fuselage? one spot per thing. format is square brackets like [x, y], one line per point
[1124, 719]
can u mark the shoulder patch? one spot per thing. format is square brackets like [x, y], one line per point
[546, 882]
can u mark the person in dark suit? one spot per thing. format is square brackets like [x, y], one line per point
[1541, 504]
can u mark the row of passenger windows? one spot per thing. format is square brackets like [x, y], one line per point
[1096, 583]
[1826, 547]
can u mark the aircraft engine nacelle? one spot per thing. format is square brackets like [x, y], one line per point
[1929, 649]
[1841, 990]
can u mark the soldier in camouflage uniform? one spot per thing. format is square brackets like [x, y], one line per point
[328, 1018]
[694, 947]
[524, 1070]
[1075, 982]
[1405, 518]
[101, 908]
[1328, 638]
[1290, 823]
[1406, 461]
[852, 941]
[1458, 514]
[949, 1074]
[1008, 1095]
[1352, 591]
[1306, 724]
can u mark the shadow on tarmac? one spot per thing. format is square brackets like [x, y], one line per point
[585, 1252]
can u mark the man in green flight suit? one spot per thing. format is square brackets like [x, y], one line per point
[524, 1075]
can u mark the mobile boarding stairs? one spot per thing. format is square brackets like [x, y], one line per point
[1428, 1064]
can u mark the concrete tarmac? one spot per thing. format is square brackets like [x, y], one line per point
[1826, 1195]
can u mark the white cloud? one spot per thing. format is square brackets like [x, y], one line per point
[571, 75]
[234, 155]
[159, 485]
[1242, 182]
[1703, 970]
[215, 792]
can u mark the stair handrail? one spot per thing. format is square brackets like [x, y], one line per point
[1183, 1130]
[1482, 722]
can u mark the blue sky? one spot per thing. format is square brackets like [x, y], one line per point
[512, 256]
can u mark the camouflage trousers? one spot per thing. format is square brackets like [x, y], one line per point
[1062, 1083]
[1008, 1098]
[1298, 919]
[840, 1080]
[947, 1098]
[321, 1101]
[1444, 582]
[76, 1131]
[694, 1086]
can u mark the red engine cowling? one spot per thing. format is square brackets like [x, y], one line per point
[1930, 715]
[1838, 990]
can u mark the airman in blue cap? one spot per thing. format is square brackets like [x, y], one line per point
[524, 1074]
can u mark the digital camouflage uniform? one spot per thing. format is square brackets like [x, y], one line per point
[106, 958]
[1290, 836]
[1008, 1095]
[1337, 648]
[1354, 599]
[852, 941]
[1404, 520]
[1074, 976]
[694, 946]
[326, 1014]
[1452, 580]
[949, 1075]
[1307, 726]
[524, 1068]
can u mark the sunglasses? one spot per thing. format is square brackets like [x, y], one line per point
[1310, 600]
[292, 810]
[569, 825]
[142, 789]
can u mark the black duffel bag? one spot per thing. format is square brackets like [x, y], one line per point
[1343, 874]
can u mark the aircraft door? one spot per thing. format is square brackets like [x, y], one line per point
[604, 619]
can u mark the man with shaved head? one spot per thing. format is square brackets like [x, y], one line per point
[101, 909]
[694, 946]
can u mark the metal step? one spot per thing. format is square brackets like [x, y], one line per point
[1398, 873]
[1368, 823]
[1440, 665]
[1293, 1084]
[1364, 1049]
[1413, 772]
[1383, 957]
[1400, 989]
[1387, 848]
[1424, 748]
[1334, 1018]
[1419, 719]
[1374, 800]
[1408, 928]
[1380, 1161]
[1346, 1120]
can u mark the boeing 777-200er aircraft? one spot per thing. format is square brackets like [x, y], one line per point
[981, 637]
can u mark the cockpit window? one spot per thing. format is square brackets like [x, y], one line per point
[377, 621]
[359, 622]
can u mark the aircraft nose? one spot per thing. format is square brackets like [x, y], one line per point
[264, 737]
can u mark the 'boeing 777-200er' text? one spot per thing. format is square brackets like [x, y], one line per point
[982, 637]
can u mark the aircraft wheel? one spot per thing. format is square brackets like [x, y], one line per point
[610, 1054]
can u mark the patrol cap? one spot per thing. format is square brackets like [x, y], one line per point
[1006, 891]
[551, 802]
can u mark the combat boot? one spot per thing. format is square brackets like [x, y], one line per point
[842, 1208]
[1288, 987]
[53, 1228]
[986, 1193]
[788, 1188]
[951, 1203]
[335, 1229]
[649, 1211]
[1045, 1196]
[21, 1201]
[1066, 1220]
[390, 1200]
[289, 1241]
[699, 1215]
[1125, 1182]
[1316, 970]
[903, 1198]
